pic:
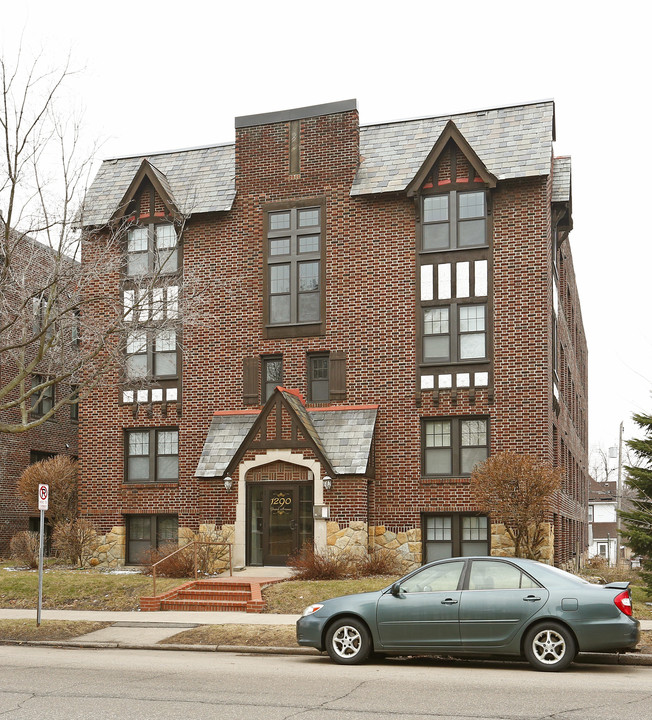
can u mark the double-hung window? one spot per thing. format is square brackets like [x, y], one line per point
[272, 375]
[453, 446]
[152, 455]
[42, 397]
[454, 535]
[318, 378]
[455, 333]
[454, 220]
[152, 248]
[294, 268]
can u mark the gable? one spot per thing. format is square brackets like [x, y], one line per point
[451, 161]
[148, 196]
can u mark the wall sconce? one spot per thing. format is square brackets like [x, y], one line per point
[228, 483]
[328, 482]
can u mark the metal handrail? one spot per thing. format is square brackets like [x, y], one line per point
[195, 544]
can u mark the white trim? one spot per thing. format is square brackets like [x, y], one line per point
[240, 540]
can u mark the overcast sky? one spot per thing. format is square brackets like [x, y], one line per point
[165, 75]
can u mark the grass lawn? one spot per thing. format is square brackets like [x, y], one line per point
[65, 589]
[48, 630]
[639, 600]
[248, 635]
[292, 597]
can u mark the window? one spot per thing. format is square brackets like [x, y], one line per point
[294, 279]
[272, 375]
[453, 446]
[148, 532]
[74, 407]
[455, 535]
[318, 378]
[42, 397]
[440, 578]
[75, 334]
[151, 354]
[496, 575]
[152, 455]
[152, 249]
[455, 333]
[454, 220]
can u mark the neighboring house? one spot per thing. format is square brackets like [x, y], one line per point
[603, 528]
[384, 306]
[28, 259]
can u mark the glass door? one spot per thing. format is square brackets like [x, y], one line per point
[279, 521]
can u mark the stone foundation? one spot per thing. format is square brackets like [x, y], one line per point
[110, 549]
[357, 539]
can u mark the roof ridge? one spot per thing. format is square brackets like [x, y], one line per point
[157, 153]
[444, 116]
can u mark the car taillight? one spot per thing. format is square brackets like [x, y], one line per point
[623, 602]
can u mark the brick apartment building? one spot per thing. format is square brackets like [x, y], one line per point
[384, 306]
[56, 436]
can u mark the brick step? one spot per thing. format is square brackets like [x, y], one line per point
[204, 605]
[217, 585]
[216, 595]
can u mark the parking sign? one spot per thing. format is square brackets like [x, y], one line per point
[43, 496]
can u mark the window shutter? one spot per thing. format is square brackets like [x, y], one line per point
[337, 362]
[250, 380]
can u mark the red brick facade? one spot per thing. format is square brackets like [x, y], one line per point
[372, 317]
[55, 436]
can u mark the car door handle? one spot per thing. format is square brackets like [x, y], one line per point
[449, 601]
[531, 598]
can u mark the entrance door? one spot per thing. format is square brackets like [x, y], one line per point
[279, 521]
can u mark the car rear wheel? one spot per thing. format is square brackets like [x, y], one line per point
[549, 647]
[348, 641]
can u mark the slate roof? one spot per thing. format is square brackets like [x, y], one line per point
[561, 179]
[511, 142]
[347, 437]
[200, 180]
[225, 435]
[344, 436]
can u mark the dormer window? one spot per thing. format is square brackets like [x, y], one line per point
[152, 249]
[454, 220]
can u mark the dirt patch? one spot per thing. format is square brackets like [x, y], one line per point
[23, 630]
[645, 643]
[248, 635]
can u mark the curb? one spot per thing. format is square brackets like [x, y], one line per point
[641, 659]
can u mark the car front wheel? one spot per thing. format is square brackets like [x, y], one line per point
[549, 647]
[348, 641]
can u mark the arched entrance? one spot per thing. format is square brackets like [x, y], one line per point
[279, 512]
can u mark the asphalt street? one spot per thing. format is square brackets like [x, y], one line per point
[76, 684]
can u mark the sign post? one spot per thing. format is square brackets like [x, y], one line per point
[43, 500]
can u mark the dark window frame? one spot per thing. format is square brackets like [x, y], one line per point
[456, 447]
[454, 220]
[312, 359]
[151, 226]
[267, 386]
[295, 259]
[44, 401]
[151, 335]
[153, 455]
[456, 540]
[154, 532]
[454, 334]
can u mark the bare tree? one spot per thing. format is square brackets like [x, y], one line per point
[516, 490]
[49, 338]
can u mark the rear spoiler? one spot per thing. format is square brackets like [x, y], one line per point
[618, 585]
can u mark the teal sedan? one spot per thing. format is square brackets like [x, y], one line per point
[476, 606]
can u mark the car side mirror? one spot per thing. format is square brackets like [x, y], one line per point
[396, 589]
